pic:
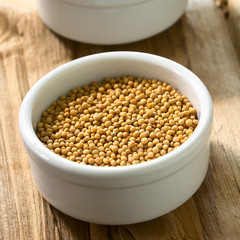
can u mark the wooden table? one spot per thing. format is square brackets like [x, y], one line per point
[207, 41]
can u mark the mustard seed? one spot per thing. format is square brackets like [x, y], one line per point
[188, 122]
[117, 122]
[144, 140]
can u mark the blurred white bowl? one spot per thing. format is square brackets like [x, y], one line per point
[117, 195]
[109, 21]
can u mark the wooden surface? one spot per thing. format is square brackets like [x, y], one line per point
[207, 41]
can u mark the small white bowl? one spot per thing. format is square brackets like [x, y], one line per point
[109, 21]
[117, 195]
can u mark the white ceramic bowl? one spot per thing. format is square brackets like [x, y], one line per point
[117, 195]
[109, 21]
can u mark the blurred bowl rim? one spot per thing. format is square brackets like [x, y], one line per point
[104, 3]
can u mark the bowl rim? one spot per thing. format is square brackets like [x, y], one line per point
[103, 4]
[36, 147]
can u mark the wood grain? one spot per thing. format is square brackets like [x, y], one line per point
[234, 23]
[205, 42]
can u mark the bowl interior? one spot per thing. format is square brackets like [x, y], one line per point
[84, 71]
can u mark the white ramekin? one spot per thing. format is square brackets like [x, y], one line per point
[109, 21]
[119, 195]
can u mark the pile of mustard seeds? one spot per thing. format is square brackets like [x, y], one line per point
[117, 122]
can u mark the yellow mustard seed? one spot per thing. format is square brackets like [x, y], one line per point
[188, 122]
[144, 140]
[117, 122]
